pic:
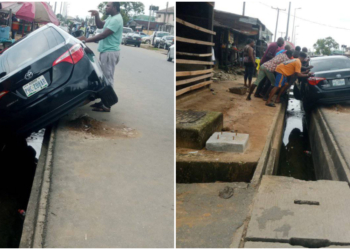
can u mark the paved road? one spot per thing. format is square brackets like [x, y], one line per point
[119, 192]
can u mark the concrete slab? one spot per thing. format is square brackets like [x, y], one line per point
[193, 128]
[287, 209]
[227, 142]
[204, 220]
[251, 244]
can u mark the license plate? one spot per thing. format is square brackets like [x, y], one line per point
[339, 82]
[35, 86]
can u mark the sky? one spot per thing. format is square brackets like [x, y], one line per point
[81, 8]
[334, 13]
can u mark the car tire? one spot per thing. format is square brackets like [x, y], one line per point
[169, 58]
[158, 45]
[139, 45]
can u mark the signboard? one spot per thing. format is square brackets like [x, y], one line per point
[248, 20]
[156, 8]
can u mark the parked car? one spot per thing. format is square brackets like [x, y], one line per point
[132, 38]
[64, 28]
[156, 36]
[126, 30]
[98, 31]
[44, 76]
[166, 42]
[141, 34]
[170, 56]
[330, 83]
[146, 39]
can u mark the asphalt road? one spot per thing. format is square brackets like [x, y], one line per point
[119, 192]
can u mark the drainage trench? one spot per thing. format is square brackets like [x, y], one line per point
[295, 154]
[19, 158]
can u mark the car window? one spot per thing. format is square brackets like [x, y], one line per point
[162, 34]
[27, 50]
[169, 38]
[330, 64]
[127, 30]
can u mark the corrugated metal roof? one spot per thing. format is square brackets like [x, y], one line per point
[238, 23]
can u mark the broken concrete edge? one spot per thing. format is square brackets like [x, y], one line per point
[264, 158]
[326, 150]
[261, 167]
[34, 223]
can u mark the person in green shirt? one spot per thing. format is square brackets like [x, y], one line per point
[83, 28]
[108, 44]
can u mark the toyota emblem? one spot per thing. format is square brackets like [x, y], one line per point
[28, 75]
[338, 76]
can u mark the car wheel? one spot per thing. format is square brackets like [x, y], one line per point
[158, 46]
[139, 45]
[169, 58]
[165, 47]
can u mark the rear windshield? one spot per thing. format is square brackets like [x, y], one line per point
[330, 64]
[31, 48]
[127, 30]
[162, 34]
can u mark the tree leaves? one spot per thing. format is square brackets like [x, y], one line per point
[324, 46]
[127, 10]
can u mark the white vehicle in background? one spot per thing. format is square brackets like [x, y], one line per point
[156, 36]
[170, 56]
[146, 39]
[97, 32]
[64, 28]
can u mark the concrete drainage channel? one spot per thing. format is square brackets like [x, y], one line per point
[19, 161]
[284, 209]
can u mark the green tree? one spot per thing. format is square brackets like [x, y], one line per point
[324, 46]
[127, 9]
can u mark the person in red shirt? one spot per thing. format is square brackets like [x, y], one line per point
[272, 50]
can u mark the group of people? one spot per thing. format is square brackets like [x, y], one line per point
[82, 27]
[279, 69]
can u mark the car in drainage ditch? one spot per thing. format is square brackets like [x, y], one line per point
[330, 83]
[44, 76]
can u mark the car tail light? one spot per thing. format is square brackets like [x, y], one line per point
[73, 55]
[3, 93]
[315, 80]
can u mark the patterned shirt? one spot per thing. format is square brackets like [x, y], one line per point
[272, 64]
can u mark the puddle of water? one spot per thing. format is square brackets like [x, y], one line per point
[294, 161]
[35, 140]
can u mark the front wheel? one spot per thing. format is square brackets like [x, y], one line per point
[165, 46]
[158, 46]
[139, 45]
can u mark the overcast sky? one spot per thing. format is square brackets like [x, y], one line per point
[334, 13]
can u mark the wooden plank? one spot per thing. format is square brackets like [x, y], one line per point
[183, 61]
[182, 82]
[178, 20]
[187, 40]
[197, 86]
[193, 73]
[193, 54]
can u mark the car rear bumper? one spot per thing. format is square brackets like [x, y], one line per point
[331, 97]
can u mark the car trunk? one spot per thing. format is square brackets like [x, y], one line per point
[28, 71]
[335, 79]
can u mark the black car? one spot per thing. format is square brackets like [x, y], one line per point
[44, 76]
[330, 83]
[132, 38]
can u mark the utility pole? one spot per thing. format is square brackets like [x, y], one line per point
[61, 8]
[282, 33]
[294, 24]
[149, 19]
[55, 8]
[243, 8]
[278, 13]
[288, 22]
[166, 15]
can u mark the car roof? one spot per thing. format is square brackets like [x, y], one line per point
[328, 57]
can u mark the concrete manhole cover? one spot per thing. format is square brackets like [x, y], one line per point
[188, 116]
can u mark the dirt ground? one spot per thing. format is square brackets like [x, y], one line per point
[250, 117]
[339, 108]
[91, 127]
